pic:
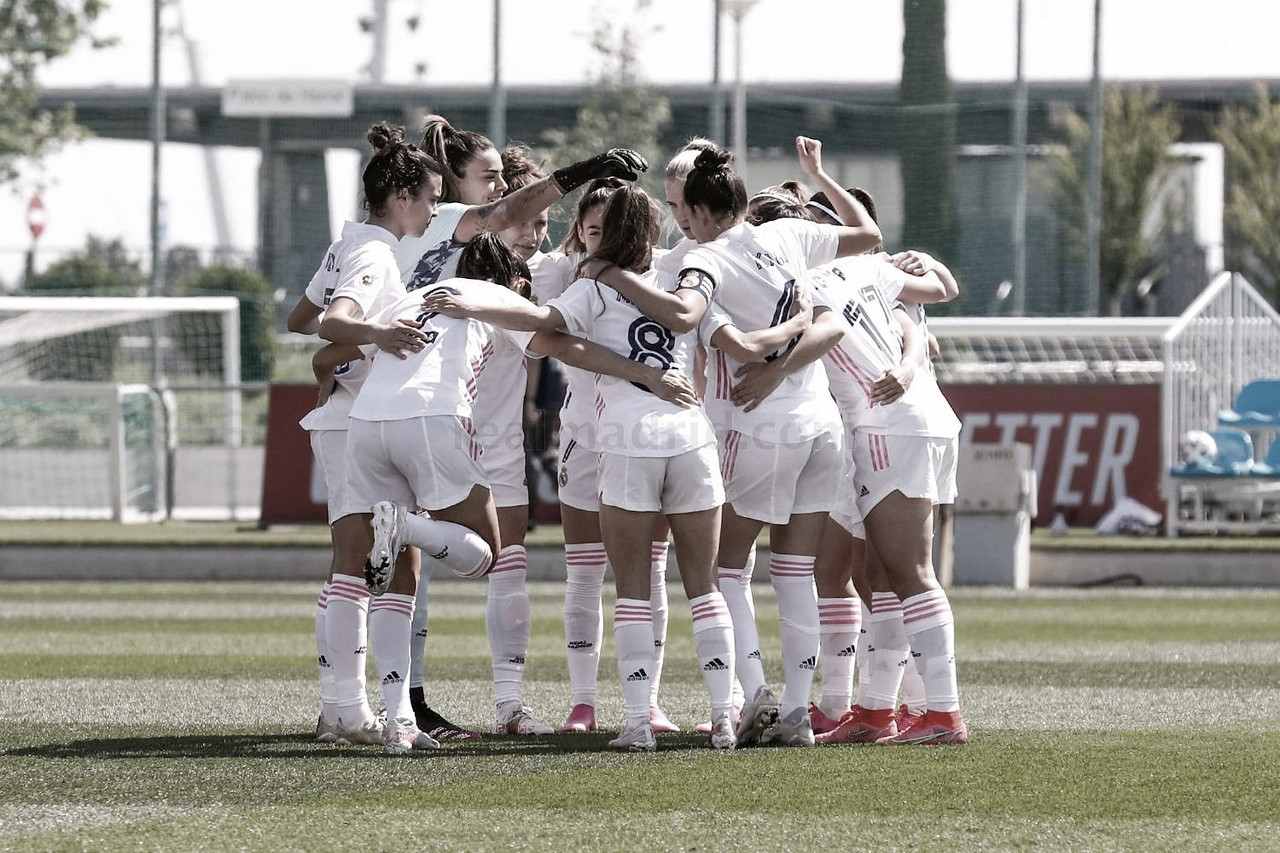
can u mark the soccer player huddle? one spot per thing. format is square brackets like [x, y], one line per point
[772, 368]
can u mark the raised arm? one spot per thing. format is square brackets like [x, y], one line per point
[859, 233]
[530, 200]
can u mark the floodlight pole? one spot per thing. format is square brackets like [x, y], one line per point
[717, 86]
[1020, 176]
[1093, 210]
[158, 108]
[498, 104]
[738, 9]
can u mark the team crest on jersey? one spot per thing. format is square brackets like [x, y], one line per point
[564, 476]
[366, 280]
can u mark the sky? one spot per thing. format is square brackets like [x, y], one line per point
[102, 187]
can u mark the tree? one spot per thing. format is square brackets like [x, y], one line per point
[1136, 135]
[32, 33]
[1250, 137]
[257, 321]
[622, 110]
[927, 131]
[103, 269]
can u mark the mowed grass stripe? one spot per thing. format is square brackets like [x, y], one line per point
[1141, 742]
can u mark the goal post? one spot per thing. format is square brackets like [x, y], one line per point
[98, 394]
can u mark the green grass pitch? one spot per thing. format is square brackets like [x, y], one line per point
[180, 716]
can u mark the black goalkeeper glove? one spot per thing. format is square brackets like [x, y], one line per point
[614, 163]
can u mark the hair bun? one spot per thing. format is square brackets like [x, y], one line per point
[382, 135]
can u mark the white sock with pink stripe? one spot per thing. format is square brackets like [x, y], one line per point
[390, 616]
[506, 621]
[735, 586]
[633, 635]
[792, 579]
[420, 627]
[839, 625]
[459, 548]
[346, 631]
[930, 627]
[863, 655]
[889, 652]
[584, 618]
[661, 612]
[328, 687]
[713, 646]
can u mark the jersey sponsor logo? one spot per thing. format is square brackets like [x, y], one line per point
[430, 265]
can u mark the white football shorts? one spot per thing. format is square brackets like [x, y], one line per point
[429, 463]
[771, 482]
[916, 465]
[688, 482]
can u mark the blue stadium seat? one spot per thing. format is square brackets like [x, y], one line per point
[1233, 459]
[1257, 405]
[1270, 466]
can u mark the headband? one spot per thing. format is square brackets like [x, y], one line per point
[828, 211]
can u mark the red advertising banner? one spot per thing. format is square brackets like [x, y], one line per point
[289, 495]
[1090, 444]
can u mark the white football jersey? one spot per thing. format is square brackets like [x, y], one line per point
[432, 257]
[441, 378]
[871, 345]
[631, 421]
[750, 272]
[551, 277]
[360, 265]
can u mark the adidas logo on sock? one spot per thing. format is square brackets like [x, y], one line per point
[324, 662]
[714, 664]
[915, 654]
[755, 655]
[638, 675]
[392, 677]
[847, 652]
[581, 644]
[444, 552]
[863, 492]
[657, 644]
[808, 663]
[362, 650]
[519, 661]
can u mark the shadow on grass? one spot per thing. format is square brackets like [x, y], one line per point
[250, 745]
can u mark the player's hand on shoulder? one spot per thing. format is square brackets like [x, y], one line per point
[912, 262]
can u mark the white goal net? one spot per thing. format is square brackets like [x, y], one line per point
[88, 399]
